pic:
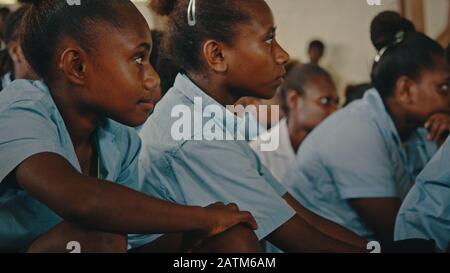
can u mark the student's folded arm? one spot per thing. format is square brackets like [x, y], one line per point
[378, 214]
[297, 235]
[238, 239]
[326, 226]
[106, 206]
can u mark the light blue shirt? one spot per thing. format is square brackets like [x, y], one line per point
[425, 213]
[201, 172]
[355, 153]
[30, 123]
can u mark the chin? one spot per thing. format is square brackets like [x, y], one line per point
[134, 121]
[268, 94]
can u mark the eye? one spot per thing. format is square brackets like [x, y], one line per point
[325, 101]
[139, 60]
[270, 41]
[444, 88]
[328, 101]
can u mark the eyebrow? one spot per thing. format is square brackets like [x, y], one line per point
[272, 30]
[145, 45]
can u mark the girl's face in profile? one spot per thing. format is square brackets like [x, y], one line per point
[431, 91]
[256, 60]
[122, 84]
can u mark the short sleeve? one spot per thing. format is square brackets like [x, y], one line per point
[129, 172]
[26, 129]
[359, 160]
[211, 171]
[425, 212]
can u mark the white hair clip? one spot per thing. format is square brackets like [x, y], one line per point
[399, 37]
[191, 13]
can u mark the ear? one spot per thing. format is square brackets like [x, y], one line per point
[293, 99]
[72, 62]
[403, 88]
[15, 51]
[214, 55]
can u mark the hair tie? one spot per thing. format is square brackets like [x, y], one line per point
[191, 13]
[398, 38]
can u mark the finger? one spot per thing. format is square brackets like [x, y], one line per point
[442, 132]
[247, 218]
[430, 121]
[433, 130]
[233, 207]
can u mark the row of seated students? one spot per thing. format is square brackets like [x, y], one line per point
[74, 168]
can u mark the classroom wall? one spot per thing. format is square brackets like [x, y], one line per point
[344, 27]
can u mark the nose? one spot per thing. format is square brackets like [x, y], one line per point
[151, 79]
[281, 56]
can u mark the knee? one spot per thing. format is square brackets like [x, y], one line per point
[239, 239]
[110, 243]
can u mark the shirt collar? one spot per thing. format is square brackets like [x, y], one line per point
[191, 91]
[107, 147]
[381, 115]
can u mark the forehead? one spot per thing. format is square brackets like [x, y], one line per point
[320, 85]
[131, 33]
[261, 16]
[441, 72]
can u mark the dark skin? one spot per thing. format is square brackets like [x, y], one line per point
[315, 54]
[89, 205]
[421, 102]
[307, 110]
[230, 75]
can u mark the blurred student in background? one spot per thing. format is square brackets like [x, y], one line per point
[12, 62]
[316, 50]
[308, 96]
[353, 168]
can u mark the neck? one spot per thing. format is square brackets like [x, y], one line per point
[296, 133]
[80, 122]
[215, 88]
[404, 125]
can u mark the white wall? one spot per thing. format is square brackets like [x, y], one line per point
[436, 16]
[342, 24]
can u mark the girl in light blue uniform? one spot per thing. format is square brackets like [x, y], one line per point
[226, 50]
[425, 213]
[68, 171]
[357, 166]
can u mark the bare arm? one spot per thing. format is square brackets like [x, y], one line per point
[378, 214]
[238, 239]
[108, 207]
[296, 235]
[326, 226]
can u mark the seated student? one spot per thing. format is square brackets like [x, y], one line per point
[13, 63]
[68, 170]
[227, 50]
[425, 213]
[308, 97]
[353, 168]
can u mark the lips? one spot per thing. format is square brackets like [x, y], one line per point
[280, 79]
[147, 104]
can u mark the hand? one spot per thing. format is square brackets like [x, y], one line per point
[221, 217]
[438, 126]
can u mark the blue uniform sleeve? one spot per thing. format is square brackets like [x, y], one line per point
[206, 172]
[359, 161]
[129, 173]
[425, 213]
[26, 129]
